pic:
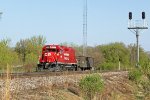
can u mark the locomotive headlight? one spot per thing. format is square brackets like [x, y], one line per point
[58, 54]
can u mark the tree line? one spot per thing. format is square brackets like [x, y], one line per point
[106, 57]
[24, 54]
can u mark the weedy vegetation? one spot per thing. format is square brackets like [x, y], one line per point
[91, 85]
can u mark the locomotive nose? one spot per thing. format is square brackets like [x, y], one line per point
[50, 57]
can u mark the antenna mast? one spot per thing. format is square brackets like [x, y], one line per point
[85, 28]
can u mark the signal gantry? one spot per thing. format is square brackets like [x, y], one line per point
[136, 27]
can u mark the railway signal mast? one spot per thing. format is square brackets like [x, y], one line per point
[136, 27]
[85, 28]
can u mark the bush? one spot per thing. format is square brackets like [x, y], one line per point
[90, 85]
[135, 75]
[146, 69]
[108, 66]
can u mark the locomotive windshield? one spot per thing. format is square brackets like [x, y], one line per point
[51, 50]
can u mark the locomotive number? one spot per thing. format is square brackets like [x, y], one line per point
[66, 58]
[45, 54]
[66, 54]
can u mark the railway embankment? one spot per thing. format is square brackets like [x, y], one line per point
[65, 87]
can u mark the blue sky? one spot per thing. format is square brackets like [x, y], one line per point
[61, 20]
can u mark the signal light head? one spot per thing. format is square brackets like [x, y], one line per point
[143, 15]
[1, 13]
[130, 15]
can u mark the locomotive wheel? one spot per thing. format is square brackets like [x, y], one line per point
[40, 68]
[58, 68]
[73, 68]
[76, 68]
[51, 69]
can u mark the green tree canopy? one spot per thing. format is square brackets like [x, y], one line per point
[7, 54]
[113, 53]
[30, 48]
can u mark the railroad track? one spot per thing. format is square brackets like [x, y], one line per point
[41, 74]
[47, 73]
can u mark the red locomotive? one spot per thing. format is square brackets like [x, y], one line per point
[58, 58]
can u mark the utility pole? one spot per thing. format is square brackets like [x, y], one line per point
[85, 28]
[136, 27]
